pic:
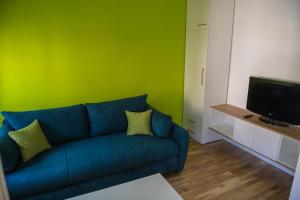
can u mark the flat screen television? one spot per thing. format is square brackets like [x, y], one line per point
[277, 101]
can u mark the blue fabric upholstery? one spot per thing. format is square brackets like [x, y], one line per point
[181, 136]
[59, 124]
[88, 159]
[114, 153]
[45, 172]
[91, 163]
[161, 124]
[58, 194]
[109, 117]
[8, 149]
[162, 167]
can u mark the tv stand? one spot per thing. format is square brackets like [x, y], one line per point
[273, 121]
[277, 145]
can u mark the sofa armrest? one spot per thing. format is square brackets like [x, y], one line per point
[8, 149]
[181, 137]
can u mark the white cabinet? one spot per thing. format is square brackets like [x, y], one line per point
[195, 64]
[221, 123]
[273, 145]
[256, 138]
[270, 143]
[195, 60]
[197, 14]
[266, 142]
[207, 60]
[220, 25]
[289, 152]
[244, 133]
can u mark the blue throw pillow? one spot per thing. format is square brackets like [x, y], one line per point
[8, 149]
[59, 124]
[161, 123]
[109, 117]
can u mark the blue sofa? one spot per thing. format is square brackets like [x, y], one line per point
[91, 150]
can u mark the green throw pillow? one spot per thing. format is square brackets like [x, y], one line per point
[139, 123]
[31, 140]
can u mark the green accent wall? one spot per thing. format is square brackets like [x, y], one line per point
[62, 52]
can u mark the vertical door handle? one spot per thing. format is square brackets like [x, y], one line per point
[202, 76]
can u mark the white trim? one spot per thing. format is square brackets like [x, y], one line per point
[295, 192]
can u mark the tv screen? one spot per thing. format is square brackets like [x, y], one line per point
[278, 100]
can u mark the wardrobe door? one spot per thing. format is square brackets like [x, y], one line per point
[197, 14]
[195, 62]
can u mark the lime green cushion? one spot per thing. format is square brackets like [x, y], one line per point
[139, 123]
[31, 140]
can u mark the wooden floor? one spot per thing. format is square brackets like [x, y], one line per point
[220, 170]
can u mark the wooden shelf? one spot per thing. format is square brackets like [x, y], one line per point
[291, 131]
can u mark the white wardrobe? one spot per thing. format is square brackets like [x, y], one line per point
[206, 79]
[195, 64]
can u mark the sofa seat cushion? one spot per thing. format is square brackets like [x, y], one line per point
[86, 160]
[45, 172]
[59, 124]
[103, 155]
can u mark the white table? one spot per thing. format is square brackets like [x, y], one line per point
[153, 187]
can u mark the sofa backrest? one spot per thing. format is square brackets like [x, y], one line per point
[59, 124]
[109, 117]
[76, 122]
[161, 123]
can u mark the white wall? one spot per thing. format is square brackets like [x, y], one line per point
[266, 42]
[218, 61]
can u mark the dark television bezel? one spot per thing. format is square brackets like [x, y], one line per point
[265, 113]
